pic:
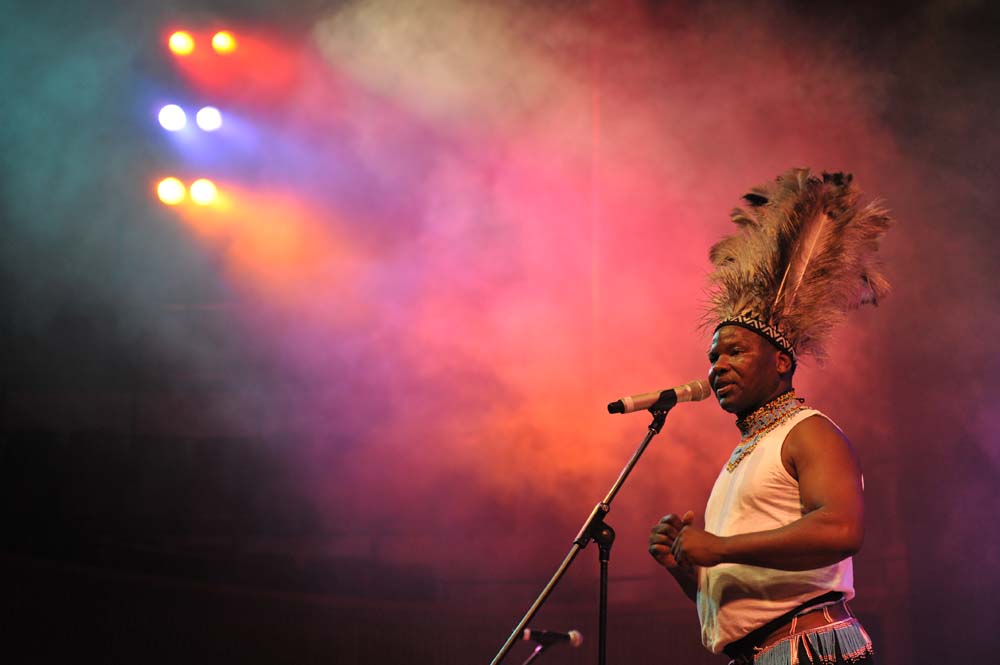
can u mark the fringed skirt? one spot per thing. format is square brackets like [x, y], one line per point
[841, 642]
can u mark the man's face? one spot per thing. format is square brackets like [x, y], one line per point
[744, 372]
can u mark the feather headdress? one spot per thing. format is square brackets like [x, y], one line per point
[805, 254]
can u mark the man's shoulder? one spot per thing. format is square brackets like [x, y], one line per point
[816, 429]
[816, 424]
[812, 437]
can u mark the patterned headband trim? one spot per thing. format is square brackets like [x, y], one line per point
[771, 333]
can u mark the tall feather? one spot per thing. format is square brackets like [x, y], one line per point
[804, 255]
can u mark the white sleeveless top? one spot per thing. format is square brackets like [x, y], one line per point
[758, 495]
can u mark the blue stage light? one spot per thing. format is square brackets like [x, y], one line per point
[172, 118]
[209, 118]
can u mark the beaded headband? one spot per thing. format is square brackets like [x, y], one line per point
[771, 333]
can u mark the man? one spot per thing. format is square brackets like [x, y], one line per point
[771, 571]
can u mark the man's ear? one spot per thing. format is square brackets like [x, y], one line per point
[783, 363]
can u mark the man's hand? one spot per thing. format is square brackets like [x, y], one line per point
[663, 536]
[696, 547]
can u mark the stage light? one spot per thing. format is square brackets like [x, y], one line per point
[171, 191]
[204, 192]
[223, 42]
[209, 118]
[172, 118]
[181, 43]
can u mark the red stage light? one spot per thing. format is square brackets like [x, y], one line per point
[223, 42]
[181, 43]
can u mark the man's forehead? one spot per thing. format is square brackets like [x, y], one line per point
[733, 335]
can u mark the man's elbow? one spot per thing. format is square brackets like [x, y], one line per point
[851, 538]
[845, 531]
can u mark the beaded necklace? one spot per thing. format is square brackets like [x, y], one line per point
[762, 421]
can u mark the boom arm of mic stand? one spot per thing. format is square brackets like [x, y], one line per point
[595, 520]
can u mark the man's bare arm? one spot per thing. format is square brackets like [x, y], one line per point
[831, 529]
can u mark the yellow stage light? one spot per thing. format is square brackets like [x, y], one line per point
[181, 43]
[204, 192]
[171, 191]
[223, 42]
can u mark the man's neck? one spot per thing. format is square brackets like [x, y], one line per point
[769, 415]
[778, 392]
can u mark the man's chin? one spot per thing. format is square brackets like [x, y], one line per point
[727, 404]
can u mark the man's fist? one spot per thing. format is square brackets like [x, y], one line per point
[663, 536]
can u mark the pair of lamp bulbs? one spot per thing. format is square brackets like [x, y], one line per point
[182, 43]
[173, 192]
[173, 118]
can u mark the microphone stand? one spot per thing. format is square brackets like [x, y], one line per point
[593, 529]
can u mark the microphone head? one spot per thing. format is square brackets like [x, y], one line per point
[694, 391]
[547, 638]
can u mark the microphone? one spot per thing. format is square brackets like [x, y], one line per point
[548, 637]
[692, 391]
